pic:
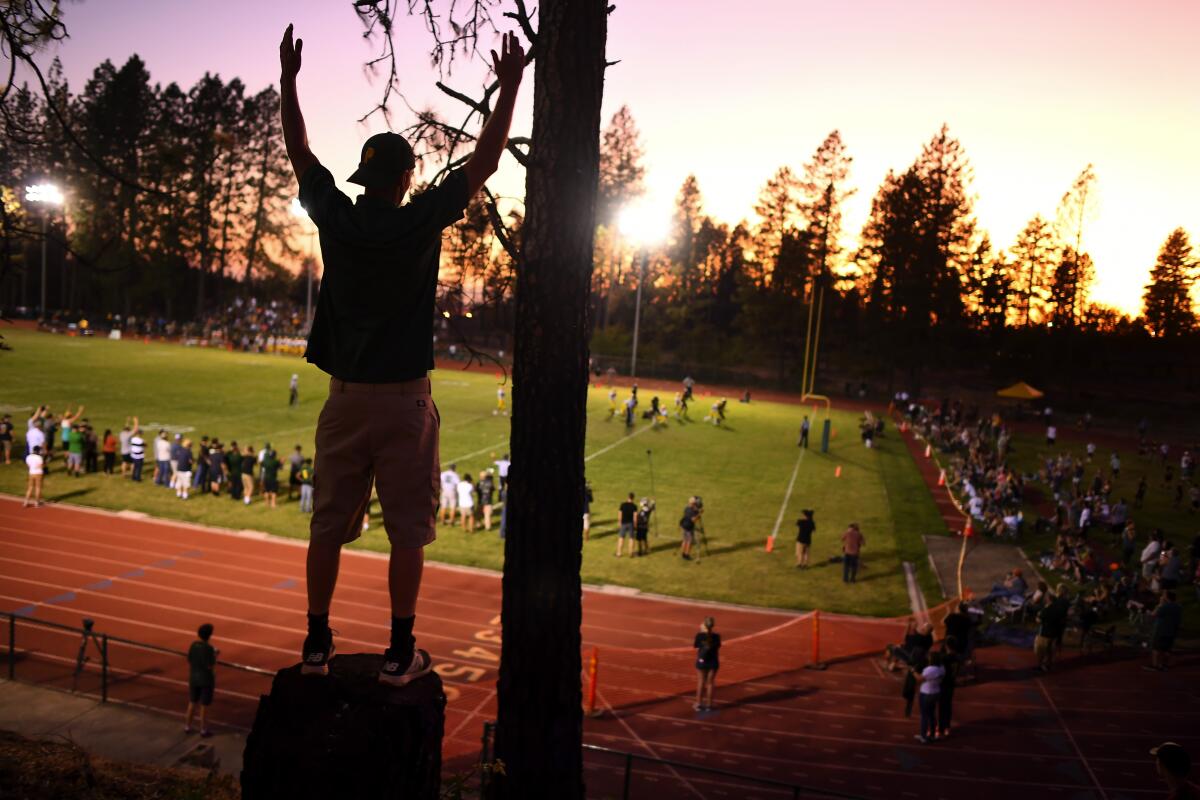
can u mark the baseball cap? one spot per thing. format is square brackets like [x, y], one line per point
[1173, 757]
[385, 158]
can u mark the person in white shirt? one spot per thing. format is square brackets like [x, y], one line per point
[929, 685]
[466, 502]
[502, 471]
[126, 459]
[449, 499]
[162, 459]
[33, 486]
[35, 437]
[1051, 435]
[1150, 555]
[137, 451]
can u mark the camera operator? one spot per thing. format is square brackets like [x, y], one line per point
[641, 526]
[687, 525]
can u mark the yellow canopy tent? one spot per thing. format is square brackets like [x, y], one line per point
[1020, 391]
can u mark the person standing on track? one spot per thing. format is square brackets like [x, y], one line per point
[373, 333]
[202, 679]
[929, 689]
[33, 484]
[708, 651]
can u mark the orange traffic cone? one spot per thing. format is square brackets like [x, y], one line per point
[969, 530]
[928, 450]
[837, 473]
[942, 478]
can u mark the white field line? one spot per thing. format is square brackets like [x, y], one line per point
[788, 496]
[617, 443]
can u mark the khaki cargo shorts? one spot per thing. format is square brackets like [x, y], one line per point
[385, 433]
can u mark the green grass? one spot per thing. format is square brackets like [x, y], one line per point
[742, 470]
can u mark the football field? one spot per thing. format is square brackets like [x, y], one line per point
[752, 477]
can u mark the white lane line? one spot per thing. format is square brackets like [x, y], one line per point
[1071, 739]
[501, 443]
[916, 598]
[788, 496]
[617, 443]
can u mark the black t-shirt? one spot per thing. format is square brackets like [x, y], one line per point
[804, 530]
[688, 521]
[248, 462]
[642, 520]
[628, 509]
[958, 626]
[708, 650]
[374, 317]
[183, 460]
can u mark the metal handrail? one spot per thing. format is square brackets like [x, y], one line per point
[104, 639]
[798, 790]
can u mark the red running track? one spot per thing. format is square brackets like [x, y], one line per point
[1082, 732]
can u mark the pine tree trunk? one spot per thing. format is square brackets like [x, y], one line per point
[540, 720]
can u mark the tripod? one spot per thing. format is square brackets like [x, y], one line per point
[701, 536]
[88, 636]
[653, 494]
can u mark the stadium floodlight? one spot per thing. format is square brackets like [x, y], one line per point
[46, 195]
[644, 227]
[299, 211]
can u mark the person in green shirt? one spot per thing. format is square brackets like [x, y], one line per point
[305, 476]
[202, 658]
[75, 451]
[270, 477]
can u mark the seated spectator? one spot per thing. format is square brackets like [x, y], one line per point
[1013, 586]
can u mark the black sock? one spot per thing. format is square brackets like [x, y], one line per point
[318, 623]
[402, 638]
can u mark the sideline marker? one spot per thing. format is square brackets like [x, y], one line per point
[942, 478]
[770, 544]
[837, 473]
[593, 670]
[969, 530]
[928, 450]
[816, 643]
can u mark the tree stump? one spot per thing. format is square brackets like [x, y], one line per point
[346, 735]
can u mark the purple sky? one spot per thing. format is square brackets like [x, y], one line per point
[1035, 91]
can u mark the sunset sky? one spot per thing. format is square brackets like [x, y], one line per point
[1034, 90]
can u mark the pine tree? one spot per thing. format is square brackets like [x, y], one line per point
[1035, 256]
[777, 208]
[822, 191]
[621, 169]
[1168, 311]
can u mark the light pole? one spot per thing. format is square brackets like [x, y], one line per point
[299, 211]
[47, 196]
[643, 227]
